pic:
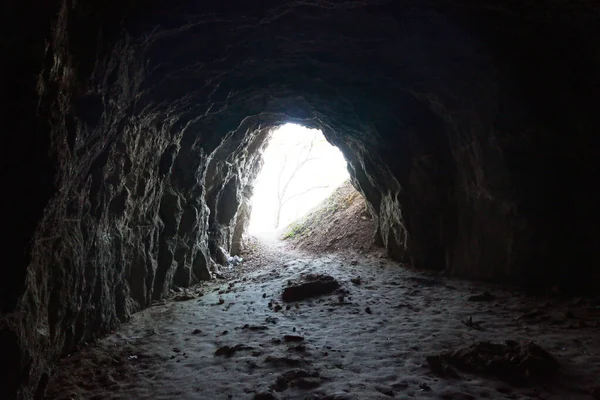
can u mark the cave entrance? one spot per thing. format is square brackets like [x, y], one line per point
[301, 168]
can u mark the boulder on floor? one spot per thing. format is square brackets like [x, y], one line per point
[310, 286]
[511, 361]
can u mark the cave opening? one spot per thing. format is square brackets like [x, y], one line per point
[300, 169]
[460, 261]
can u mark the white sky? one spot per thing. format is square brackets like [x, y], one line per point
[287, 149]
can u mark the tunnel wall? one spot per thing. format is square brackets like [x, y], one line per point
[470, 130]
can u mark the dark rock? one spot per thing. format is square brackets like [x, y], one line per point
[297, 378]
[512, 361]
[293, 338]
[386, 391]
[283, 361]
[424, 386]
[440, 367]
[485, 296]
[314, 285]
[471, 324]
[255, 327]
[229, 351]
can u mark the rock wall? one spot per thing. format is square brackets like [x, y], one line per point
[133, 134]
[230, 176]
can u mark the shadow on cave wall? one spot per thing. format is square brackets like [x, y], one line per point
[137, 134]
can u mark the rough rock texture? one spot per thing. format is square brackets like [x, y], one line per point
[510, 361]
[132, 132]
[229, 185]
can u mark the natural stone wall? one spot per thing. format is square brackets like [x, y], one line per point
[231, 173]
[133, 134]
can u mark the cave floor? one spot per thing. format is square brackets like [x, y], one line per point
[348, 351]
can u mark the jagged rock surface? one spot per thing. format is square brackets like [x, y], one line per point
[137, 129]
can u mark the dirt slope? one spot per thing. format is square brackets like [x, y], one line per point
[341, 222]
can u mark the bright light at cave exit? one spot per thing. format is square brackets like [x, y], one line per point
[313, 167]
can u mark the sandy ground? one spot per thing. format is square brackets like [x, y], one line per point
[370, 344]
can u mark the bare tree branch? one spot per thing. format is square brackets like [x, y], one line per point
[282, 190]
[304, 192]
[280, 175]
[299, 167]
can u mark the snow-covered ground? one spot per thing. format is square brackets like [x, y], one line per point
[370, 344]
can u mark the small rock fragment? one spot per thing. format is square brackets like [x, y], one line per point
[386, 391]
[283, 361]
[424, 386]
[228, 351]
[441, 368]
[297, 378]
[485, 296]
[293, 338]
[472, 324]
[255, 327]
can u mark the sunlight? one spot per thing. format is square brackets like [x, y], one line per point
[300, 170]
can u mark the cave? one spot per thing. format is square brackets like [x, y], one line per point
[134, 132]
